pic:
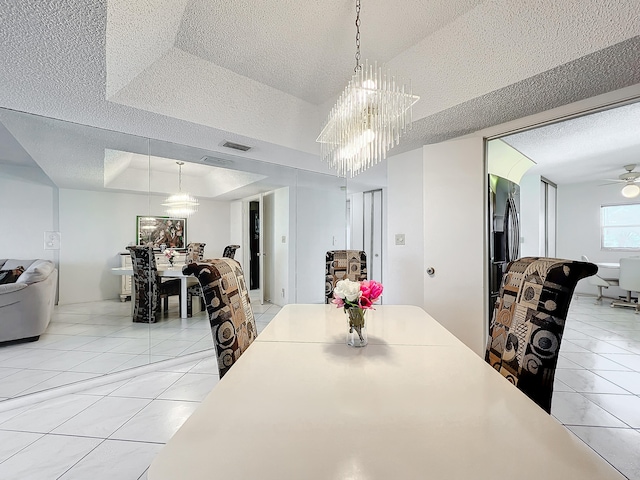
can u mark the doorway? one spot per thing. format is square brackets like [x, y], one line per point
[254, 245]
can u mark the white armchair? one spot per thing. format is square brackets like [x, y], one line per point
[26, 305]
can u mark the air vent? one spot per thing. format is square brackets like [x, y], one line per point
[236, 146]
[216, 161]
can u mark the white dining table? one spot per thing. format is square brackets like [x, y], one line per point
[415, 403]
[165, 271]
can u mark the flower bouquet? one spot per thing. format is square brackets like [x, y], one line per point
[356, 298]
[170, 253]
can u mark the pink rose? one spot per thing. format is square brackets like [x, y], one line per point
[371, 289]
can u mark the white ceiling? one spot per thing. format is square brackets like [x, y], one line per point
[197, 73]
[588, 148]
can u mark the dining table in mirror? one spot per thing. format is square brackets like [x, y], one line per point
[95, 188]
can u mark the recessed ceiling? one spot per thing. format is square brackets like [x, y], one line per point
[264, 74]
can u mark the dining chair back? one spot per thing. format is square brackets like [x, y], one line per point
[148, 289]
[233, 326]
[629, 281]
[341, 264]
[600, 282]
[528, 322]
[230, 251]
[195, 252]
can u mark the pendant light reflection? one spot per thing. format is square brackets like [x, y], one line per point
[181, 204]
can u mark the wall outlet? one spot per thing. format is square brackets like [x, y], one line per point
[399, 238]
[52, 240]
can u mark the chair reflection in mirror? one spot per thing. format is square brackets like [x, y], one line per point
[195, 254]
[341, 264]
[233, 326]
[230, 251]
[148, 287]
[528, 322]
[629, 281]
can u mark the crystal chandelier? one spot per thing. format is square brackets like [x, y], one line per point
[181, 204]
[368, 119]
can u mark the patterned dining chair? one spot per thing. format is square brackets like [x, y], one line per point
[195, 252]
[233, 326]
[341, 264]
[528, 322]
[230, 251]
[148, 287]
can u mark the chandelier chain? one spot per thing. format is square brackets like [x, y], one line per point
[180, 176]
[358, 66]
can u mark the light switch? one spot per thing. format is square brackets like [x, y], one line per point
[284, 239]
[399, 238]
[52, 240]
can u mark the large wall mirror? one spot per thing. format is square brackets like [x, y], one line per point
[91, 188]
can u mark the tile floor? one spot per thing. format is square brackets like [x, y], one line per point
[88, 340]
[107, 432]
[115, 430]
[597, 383]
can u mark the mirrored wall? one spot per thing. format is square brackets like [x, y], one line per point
[76, 195]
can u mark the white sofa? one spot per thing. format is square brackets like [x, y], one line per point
[26, 305]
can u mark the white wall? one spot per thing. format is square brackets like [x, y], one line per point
[235, 225]
[530, 203]
[579, 226]
[404, 273]
[320, 227]
[97, 226]
[28, 208]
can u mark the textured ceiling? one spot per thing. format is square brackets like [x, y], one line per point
[265, 73]
[588, 148]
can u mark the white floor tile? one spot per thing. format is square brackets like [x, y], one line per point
[624, 407]
[628, 380]
[587, 381]
[103, 417]
[12, 442]
[207, 365]
[192, 387]
[157, 422]
[15, 384]
[149, 385]
[103, 363]
[46, 416]
[574, 409]
[64, 378]
[114, 459]
[47, 458]
[619, 446]
[629, 360]
[593, 361]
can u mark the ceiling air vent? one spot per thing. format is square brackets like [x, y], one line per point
[216, 161]
[236, 146]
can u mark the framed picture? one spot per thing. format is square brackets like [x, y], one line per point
[159, 231]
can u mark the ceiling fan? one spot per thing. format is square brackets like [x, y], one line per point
[631, 188]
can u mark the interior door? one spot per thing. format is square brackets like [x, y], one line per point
[373, 233]
[454, 238]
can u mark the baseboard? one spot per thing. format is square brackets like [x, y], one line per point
[55, 392]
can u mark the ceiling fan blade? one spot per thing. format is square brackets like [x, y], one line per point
[616, 182]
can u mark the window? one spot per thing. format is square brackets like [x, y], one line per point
[620, 227]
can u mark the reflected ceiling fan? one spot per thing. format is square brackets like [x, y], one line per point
[630, 178]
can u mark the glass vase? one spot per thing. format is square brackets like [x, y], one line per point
[357, 333]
